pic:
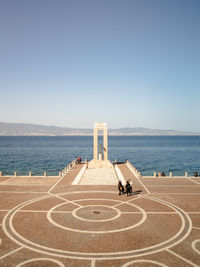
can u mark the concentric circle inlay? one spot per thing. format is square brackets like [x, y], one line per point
[107, 217]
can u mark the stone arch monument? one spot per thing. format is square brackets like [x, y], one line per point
[100, 156]
[100, 127]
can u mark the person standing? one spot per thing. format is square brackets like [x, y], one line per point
[127, 188]
[120, 188]
[131, 186]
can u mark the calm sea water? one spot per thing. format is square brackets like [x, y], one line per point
[147, 153]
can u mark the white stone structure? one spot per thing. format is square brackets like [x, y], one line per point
[100, 127]
[100, 160]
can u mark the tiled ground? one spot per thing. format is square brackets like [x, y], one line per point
[48, 222]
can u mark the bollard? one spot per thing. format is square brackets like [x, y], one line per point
[30, 173]
[170, 174]
[15, 173]
[45, 173]
[1, 173]
[154, 174]
[186, 174]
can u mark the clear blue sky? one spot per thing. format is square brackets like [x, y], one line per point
[129, 63]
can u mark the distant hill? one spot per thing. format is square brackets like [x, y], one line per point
[34, 129]
[147, 131]
[25, 129]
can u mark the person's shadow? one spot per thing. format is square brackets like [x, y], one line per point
[137, 192]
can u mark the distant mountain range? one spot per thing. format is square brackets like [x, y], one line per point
[25, 129]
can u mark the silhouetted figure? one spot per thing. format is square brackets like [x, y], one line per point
[131, 186]
[128, 189]
[195, 174]
[120, 188]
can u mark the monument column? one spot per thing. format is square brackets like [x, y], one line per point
[105, 144]
[95, 143]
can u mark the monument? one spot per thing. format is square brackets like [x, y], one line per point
[100, 127]
[100, 153]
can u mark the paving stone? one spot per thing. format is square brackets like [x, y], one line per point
[91, 225]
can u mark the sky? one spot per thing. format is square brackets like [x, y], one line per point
[129, 63]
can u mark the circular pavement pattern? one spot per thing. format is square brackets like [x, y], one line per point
[97, 213]
[132, 263]
[82, 224]
[60, 264]
[89, 213]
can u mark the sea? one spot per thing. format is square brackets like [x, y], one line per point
[177, 154]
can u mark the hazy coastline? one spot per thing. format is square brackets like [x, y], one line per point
[25, 129]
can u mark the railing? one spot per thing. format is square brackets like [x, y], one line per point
[158, 175]
[138, 174]
[60, 174]
[67, 168]
[133, 169]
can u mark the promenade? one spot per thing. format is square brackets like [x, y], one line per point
[50, 222]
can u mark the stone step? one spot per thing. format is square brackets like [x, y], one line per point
[100, 164]
[99, 176]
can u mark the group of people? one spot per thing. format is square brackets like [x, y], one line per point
[128, 188]
[161, 174]
[78, 160]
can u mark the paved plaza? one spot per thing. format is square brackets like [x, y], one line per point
[50, 222]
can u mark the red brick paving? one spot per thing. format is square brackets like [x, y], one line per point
[65, 182]
[164, 181]
[145, 231]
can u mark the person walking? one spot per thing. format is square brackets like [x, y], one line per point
[127, 188]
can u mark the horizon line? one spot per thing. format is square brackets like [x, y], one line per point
[88, 128]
